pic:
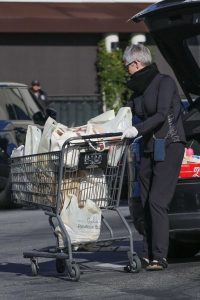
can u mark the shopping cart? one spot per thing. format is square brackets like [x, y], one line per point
[46, 180]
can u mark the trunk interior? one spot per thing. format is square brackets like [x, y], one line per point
[187, 194]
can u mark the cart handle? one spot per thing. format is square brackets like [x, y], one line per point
[101, 135]
[92, 136]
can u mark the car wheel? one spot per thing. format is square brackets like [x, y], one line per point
[181, 249]
[5, 195]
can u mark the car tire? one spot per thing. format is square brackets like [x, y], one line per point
[182, 249]
[5, 195]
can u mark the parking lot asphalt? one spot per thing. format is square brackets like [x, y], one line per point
[102, 274]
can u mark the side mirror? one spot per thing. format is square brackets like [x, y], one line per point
[38, 118]
[50, 112]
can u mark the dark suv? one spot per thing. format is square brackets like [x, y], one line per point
[17, 110]
[175, 28]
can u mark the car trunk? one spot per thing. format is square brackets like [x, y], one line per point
[187, 194]
[175, 28]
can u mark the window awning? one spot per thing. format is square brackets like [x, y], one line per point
[70, 17]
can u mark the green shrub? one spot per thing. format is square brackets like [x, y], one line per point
[111, 76]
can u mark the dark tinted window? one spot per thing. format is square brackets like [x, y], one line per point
[12, 106]
[30, 103]
[194, 117]
[193, 44]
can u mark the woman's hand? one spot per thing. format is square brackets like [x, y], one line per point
[130, 132]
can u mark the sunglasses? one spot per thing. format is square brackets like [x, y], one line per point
[127, 66]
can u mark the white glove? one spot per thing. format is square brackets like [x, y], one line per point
[130, 132]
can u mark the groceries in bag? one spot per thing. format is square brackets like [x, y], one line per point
[54, 134]
[91, 186]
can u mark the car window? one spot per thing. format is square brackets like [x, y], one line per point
[193, 45]
[12, 106]
[19, 105]
[6, 109]
[195, 116]
[30, 103]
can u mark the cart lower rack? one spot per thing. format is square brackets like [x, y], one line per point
[89, 170]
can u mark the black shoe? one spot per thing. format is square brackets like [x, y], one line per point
[157, 265]
[145, 262]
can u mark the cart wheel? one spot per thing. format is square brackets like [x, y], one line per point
[60, 265]
[134, 267]
[75, 274]
[34, 266]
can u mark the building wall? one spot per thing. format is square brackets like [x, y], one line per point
[64, 63]
[56, 43]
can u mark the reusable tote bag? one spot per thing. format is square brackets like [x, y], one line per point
[82, 224]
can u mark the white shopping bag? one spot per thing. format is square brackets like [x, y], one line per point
[17, 152]
[122, 120]
[119, 123]
[94, 187]
[45, 141]
[82, 224]
[33, 137]
[103, 118]
[58, 137]
[115, 153]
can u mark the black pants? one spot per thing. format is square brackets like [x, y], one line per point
[158, 181]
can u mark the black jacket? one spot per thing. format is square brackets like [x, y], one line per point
[159, 108]
[40, 98]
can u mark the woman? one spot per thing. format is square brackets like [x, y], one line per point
[156, 101]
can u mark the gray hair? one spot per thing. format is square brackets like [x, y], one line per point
[137, 53]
